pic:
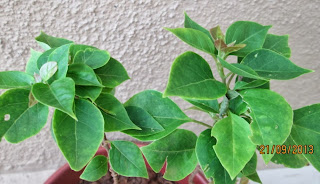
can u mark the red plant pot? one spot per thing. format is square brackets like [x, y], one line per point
[65, 175]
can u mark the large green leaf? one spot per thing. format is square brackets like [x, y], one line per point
[205, 105]
[177, 149]
[96, 168]
[209, 161]
[15, 79]
[278, 44]
[271, 65]
[189, 23]
[143, 120]
[79, 140]
[191, 77]
[83, 75]
[32, 66]
[306, 131]
[112, 74]
[76, 48]
[92, 57]
[19, 121]
[47, 42]
[245, 32]
[195, 38]
[271, 119]
[126, 159]
[234, 147]
[163, 110]
[91, 92]
[60, 94]
[114, 114]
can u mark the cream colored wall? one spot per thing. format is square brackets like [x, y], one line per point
[132, 31]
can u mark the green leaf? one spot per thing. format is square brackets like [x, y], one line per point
[179, 154]
[15, 79]
[278, 44]
[271, 65]
[251, 167]
[245, 32]
[189, 23]
[83, 75]
[194, 38]
[97, 168]
[43, 58]
[91, 92]
[60, 94]
[126, 159]
[306, 131]
[240, 69]
[205, 105]
[112, 74]
[32, 67]
[237, 105]
[254, 177]
[263, 86]
[286, 156]
[79, 140]
[92, 57]
[191, 77]
[109, 90]
[247, 85]
[271, 119]
[114, 114]
[19, 121]
[163, 110]
[48, 70]
[61, 56]
[209, 161]
[76, 48]
[234, 147]
[47, 42]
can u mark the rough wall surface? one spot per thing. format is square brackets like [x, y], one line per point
[132, 31]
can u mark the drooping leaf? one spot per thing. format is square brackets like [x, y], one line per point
[126, 159]
[234, 147]
[209, 161]
[91, 92]
[60, 94]
[79, 140]
[83, 75]
[47, 42]
[245, 32]
[306, 131]
[179, 154]
[92, 57]
[271, 119]
[32, 66]
[189, 23]
[96, 168]
[15, 79]
[76, 48]
[247, 85]
[163, 110]
[114, 114]
[191, 77]
[48, 70]
[112, 74]
[143, 120]
[278, 44]
[194, 38]
[271, 65]
[205, 105]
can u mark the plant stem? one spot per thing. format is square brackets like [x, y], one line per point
[230, 79]
[219, 69]
[106, 145]
[201, 123]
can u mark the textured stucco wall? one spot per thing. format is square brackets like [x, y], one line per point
[132, 31]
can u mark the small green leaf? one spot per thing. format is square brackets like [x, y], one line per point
[43, 58]
[271, 119]
[83, 75]
[278, 44]
[191, 77]
[112, 74]
[245, 32]
[32, 67]
[205, 105]
[61, 56]
[163, 110]
[92, 57]
[251, 166]
[189, 23]
[15, 79]
[76, 48]
[254, 177]
[237, 105]
[96, 168]
[79, 140]
[195, 38]
[91, 92]
[114, 114]
[126, 159]
[48, 70]
[47, 42]
[271, 65]
[234, 147]
[60, 94]
[179, 154]
[209, 161]
[247, 85]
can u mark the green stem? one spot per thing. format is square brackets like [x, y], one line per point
[219, 69]
[230, 79]
[201, 123]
